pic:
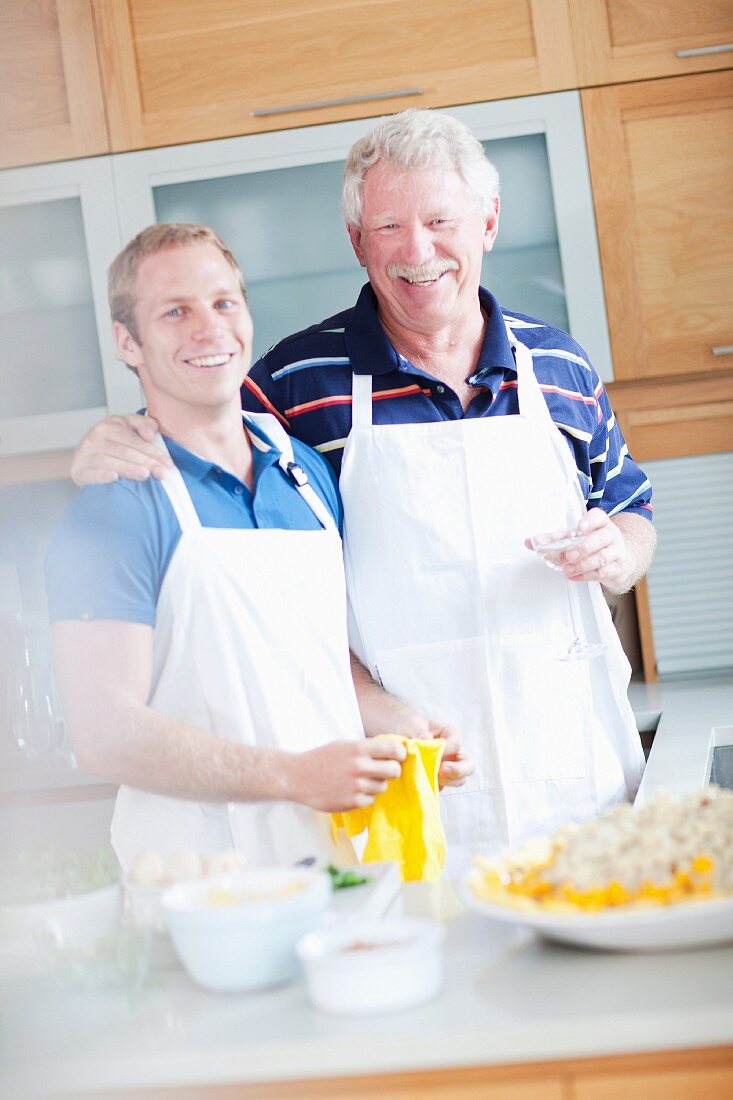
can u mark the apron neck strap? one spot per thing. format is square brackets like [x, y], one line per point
[280, 439]
[178, 494]
[531, 402]
[182, 505]
[299, 478]
[361, 400]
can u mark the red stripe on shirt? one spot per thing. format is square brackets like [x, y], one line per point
[321, 403]
[345, 399]
[404, 391]
[264, 401]
[572, 395]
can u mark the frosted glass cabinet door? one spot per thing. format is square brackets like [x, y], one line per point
[275, 199]
[58, 373]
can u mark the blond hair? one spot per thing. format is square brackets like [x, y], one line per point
[415, 139]
[122, 275]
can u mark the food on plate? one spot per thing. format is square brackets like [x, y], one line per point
[662, 853]
[227, 862]
[184, 865]
[220, 898]
[362, 945]
[149, 868]
[340, 880]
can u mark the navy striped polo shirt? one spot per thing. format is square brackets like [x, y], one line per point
[306, 381]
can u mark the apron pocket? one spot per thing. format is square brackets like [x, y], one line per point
[543, 708]
[447, 681]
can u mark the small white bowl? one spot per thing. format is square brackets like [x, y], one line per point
[249, 945]
[81, 916]
[370, 966]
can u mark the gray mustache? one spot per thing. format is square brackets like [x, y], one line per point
[422, 272]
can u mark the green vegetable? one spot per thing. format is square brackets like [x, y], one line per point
[45, 873]
[341, 879]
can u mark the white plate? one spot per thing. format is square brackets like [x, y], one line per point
[667, 928]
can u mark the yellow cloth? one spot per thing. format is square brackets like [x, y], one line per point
[404, 821]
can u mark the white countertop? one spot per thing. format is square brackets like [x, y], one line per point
[690, 717]
[508, 997]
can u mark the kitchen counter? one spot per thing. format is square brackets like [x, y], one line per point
[690, 718]
[509, 999]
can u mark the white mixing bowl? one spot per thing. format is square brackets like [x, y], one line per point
[238, 932]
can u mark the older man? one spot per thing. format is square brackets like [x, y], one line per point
[458, 429]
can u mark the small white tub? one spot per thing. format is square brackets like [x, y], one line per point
[371, 966]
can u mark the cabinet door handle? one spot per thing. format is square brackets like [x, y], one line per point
[723, 349]
[336, 102]
[701, 51]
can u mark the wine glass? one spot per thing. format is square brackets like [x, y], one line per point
[550, 550]
[35, 713]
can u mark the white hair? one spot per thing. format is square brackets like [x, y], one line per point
[419, 139]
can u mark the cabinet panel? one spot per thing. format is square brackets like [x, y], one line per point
[58, 367]
[713, 1084]
[275, 199]
[50, 91]
[661, 161]
[675, 416]
[618, 40]
[227, 68]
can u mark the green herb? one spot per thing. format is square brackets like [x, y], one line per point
[45, 873]
[341, 879]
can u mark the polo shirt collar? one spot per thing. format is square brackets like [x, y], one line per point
[196, 468]
[367, 344]
[370, 351]
[496, 350]
[193, 466]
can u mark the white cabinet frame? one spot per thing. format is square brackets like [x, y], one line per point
[558, 116]
[116, 195]
[89, 180]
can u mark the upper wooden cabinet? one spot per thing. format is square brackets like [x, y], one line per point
[661, 160]
[189, 71]
[618, 40]
[51, 104]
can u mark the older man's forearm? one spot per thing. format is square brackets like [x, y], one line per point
[380, 712]
[640, 540]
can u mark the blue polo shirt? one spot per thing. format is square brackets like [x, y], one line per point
[306, 381]
[111, 550]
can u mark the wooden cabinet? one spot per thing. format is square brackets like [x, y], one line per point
[51, 104]
[661, 160]
[666, 1075]
[676, 416]
[618, 40]
[190, 71]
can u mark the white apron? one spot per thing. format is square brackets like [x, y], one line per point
[250, 643]
[450, 612]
